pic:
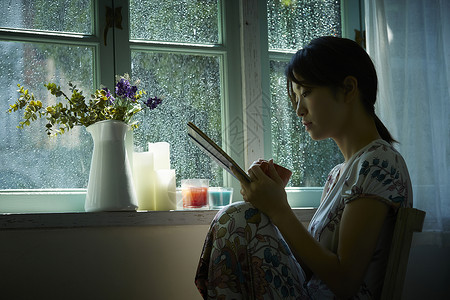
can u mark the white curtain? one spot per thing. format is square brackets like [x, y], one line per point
[409, 41]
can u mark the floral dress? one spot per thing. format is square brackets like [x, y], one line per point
[246, 257]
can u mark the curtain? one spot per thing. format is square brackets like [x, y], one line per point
[409, 42]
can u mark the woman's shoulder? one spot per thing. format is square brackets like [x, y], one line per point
[378, 153]
[379, 169]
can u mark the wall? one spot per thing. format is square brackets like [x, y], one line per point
[126, 263]
[151, 262]
[428, 273]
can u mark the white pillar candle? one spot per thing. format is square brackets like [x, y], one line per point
[165, 190]
[144, 179]
[161, 155]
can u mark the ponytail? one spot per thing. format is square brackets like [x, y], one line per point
[383, 131]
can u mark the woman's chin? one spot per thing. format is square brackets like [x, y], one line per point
[317, 137]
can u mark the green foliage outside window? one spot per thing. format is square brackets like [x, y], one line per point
[291, 25]
[74, 16]
[190, 87]
[190, 84]
[181, 21]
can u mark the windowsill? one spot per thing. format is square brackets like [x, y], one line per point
[28, 209]
[120, 219]
[72, 200]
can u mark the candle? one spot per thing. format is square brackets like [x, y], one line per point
[161, 155]
[144, 179]
[165, 190]
[154, 180]
[195, 193]
[220, 197]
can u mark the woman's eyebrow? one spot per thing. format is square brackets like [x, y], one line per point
[303, 86]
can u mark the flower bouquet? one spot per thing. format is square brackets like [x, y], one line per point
[107, 118]
[103, 105]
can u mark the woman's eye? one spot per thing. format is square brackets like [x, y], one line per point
[305, 93]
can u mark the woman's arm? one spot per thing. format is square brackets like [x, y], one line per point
[343, 271]
[360, 227]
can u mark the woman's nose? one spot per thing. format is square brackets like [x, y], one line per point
[300, 110]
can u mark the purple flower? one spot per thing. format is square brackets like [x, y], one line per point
[108, 95]
[132, 92]
[152, 103]
[125, 90]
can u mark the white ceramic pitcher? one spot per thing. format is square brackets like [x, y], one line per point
[110, 186]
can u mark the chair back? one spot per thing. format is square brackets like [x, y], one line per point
[409, 220]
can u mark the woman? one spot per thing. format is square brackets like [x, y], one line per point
[258, 249]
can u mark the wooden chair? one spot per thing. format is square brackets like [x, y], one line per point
[409, 220]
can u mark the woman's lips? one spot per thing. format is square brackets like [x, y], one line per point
[307, 125]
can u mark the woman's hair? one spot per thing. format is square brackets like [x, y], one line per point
[327, 61]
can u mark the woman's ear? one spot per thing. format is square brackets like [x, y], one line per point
[350, 84]
[350, 87]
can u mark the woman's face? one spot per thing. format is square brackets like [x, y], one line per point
[322, 110]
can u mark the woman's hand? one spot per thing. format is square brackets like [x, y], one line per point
[265, 191]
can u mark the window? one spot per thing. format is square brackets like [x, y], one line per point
[188, 52]
[288, 31]
[43, 41]
[175, 48]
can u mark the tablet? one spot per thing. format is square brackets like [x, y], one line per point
[214, 151]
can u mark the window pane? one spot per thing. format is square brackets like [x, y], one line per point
[33, 159]
[190, 87]
[312, 160]
[183, 21]
[59, 15]
[293, 23]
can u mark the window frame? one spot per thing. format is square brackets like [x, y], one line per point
[244, 74]
[352, 19]
[227, 49]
